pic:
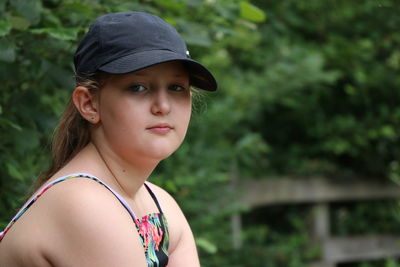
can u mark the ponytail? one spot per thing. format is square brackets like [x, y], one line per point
[72, 132]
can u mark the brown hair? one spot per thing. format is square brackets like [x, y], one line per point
[72, 132]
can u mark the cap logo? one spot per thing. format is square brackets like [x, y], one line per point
[187, 53]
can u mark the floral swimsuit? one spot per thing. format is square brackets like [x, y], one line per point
[152, 228]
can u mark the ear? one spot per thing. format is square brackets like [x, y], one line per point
[87, 104]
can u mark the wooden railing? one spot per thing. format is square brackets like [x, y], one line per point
[320, 192]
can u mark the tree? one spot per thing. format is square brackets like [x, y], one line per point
[306, 87]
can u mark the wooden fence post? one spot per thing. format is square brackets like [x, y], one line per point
[321, 231]
[321, 224]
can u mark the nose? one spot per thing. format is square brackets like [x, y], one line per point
[161, 104]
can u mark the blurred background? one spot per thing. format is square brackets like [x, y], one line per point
[295, 161]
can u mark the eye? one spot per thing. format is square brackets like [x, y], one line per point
[137, 88]
[176, 87]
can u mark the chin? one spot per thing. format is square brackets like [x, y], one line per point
[161, 152]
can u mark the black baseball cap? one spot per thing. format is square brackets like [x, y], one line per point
[124, 42]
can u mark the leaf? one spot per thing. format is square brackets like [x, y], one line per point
[195, 34]
[206, 245]
[29, 9]
[250, 12]
[20, 23]
[79, 8]
[7, 51]
[194, 3]
[14, 172]
[388, 131]
[9, 123]
[251, 143]
[5, 27]
[66, 34]
[171, 4]
[197, 39]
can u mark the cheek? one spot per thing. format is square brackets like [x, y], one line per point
[119, 118]
[116, 108]
[184, 115]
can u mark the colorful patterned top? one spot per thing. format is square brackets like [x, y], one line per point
[152, 228]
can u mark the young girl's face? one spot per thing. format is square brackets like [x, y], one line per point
[145, 114]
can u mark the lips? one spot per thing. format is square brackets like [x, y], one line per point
[160, 128]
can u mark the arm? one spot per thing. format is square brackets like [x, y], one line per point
[89, 227]
[182, 250]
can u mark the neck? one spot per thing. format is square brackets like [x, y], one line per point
[125, 177]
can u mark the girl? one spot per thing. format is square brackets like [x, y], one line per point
[130, 109]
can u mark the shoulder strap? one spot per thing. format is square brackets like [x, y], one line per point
[153, 196]
[118, 196]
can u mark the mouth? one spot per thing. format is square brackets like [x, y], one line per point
[161, 128]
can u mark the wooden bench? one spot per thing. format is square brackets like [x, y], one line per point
[320, 192]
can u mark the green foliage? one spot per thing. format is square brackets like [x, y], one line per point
[306, 87]
[251, 12]
[355, 219]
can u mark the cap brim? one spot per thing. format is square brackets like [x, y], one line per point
[200, 76]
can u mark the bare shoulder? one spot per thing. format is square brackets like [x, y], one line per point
[163, 196]
[82, 201]
[177, 223]
[182, 249]
[84, 219]
[170, 207]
